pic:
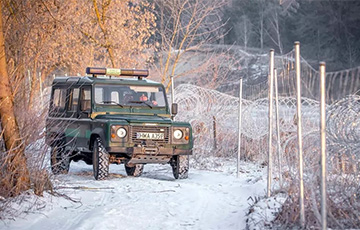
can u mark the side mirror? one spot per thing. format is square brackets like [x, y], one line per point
[174, 109]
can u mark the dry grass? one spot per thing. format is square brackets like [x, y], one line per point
[32, 129]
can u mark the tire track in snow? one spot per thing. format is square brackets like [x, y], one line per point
[78, 216]
[206, 200]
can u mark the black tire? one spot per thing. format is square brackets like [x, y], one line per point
[100, 160]
[180, 166]
[134, 171]
[59, 159]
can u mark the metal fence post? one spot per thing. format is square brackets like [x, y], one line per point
[239, 130]
[172, 89]
[299, 133]
[172, 94]
[271, 89]
[279, 152]
[323, 144]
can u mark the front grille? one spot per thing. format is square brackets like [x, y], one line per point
[150, 129]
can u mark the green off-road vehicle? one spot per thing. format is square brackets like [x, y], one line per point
[103, 119]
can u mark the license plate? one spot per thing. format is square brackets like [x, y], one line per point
[153, 136]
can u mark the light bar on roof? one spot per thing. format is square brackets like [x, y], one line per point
[117, 72]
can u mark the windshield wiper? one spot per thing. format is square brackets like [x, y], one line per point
[140, 102]
[110, 102]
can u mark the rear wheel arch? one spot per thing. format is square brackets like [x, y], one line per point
[59, 157]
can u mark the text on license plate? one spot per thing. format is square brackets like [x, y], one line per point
[154, 136]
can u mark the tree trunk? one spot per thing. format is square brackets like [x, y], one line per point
[34, 86]
[17, 174]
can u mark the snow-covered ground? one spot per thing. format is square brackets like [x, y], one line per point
[206, 200]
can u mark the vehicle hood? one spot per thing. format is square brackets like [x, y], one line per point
[136, 118]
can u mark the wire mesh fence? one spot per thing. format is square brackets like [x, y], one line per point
[214, 117]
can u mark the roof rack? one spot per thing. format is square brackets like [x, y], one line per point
[140, 73]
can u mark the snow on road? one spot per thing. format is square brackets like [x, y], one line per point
[206, 200]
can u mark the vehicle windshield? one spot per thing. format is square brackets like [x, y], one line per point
[130, 95]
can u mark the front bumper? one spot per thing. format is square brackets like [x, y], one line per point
[151, 151]
[147, 155]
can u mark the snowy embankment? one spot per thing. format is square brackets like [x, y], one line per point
[206, 200]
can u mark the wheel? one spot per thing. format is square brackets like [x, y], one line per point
[135, 171]
[59, 159]
[180, 166]
[100, 160]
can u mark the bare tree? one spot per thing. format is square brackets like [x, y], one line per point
[118, 30]
[262, 13]
[273, 30]
[185, 26]
[14, 172]
[40, 37]
[68, 36]
[247, 30]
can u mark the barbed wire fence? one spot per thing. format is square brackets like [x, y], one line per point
[342, 151]
[214, 118]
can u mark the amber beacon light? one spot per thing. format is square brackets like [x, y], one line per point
[117, 72]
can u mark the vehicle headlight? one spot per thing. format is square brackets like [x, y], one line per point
[121, 132]
[178, 134]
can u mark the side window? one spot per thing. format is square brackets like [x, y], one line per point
[115, 96]
[99, 95]
[159, 97]
[74, 99]
[59, 100]
[85, 99]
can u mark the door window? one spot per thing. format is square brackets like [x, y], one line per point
[74, 99]
[85, 99]
[59, 100]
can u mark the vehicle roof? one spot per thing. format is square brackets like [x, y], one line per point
[87, 80]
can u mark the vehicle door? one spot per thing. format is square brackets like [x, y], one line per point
[84, 121]
[57, 120]
[72, 115]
